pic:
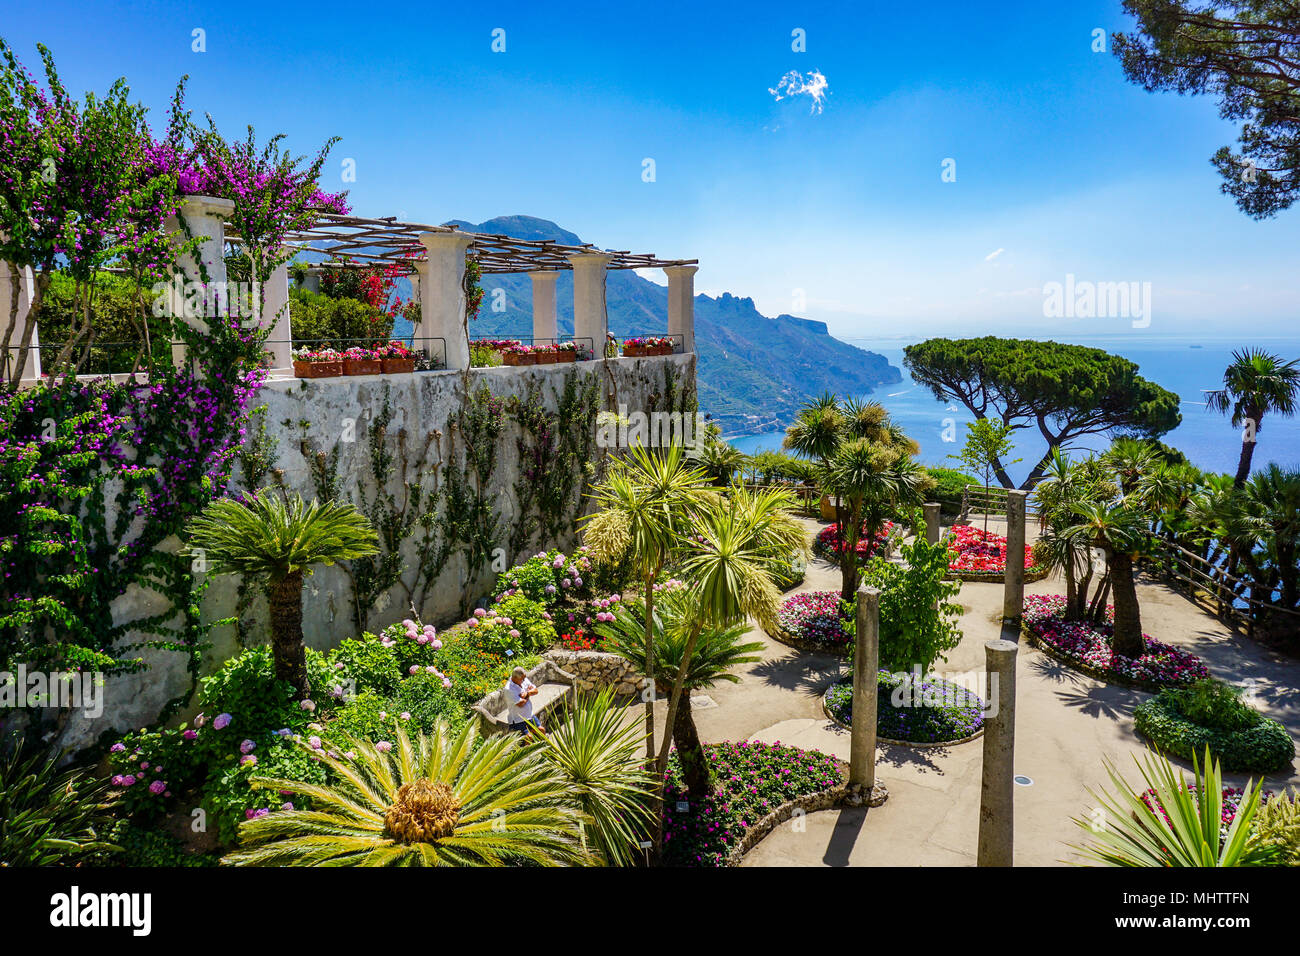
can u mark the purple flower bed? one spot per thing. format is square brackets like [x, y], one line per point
[930, 711]
[1089, 645]
[814, 616]
[750, 781]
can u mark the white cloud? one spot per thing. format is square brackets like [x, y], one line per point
[814, 86]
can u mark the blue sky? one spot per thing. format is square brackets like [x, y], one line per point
[1061, 164]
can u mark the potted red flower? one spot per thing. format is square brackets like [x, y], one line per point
[519, 355]
[396, 357]
[634, 348]
[566, 352]
[359, 361]
[316, 363]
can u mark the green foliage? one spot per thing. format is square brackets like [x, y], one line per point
[949, 484]
[1189, 832]
[115, 319]
[529, 618]
[1186, 722]
[230, 794]
[1277, 827]
[338, 323]
[987, 445]
[369, 663]
[49, 817]
[146, 846]
[1065, 390]
[917, 620]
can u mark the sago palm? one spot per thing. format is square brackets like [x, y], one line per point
[717, 652]
[1131, 832]
[595, 750]
[1256, 383]
[446, 799]
[280, 542]
[644, 508]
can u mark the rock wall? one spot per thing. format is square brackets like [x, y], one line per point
[311, 423]
[596, 670]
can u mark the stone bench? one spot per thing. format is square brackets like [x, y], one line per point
[553, 686]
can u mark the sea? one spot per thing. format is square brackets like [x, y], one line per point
[1186, 366]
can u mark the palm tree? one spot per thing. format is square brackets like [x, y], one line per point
[596, 752]
[1116, 527]
[726, 566]
[1257, 382]
[1132, 832]
[447, 799]
[717, 652]
[721, 460]
[265, 537]
[872, 480]
[644, 505]
[816, 432]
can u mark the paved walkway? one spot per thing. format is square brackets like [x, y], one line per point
[1067, 724]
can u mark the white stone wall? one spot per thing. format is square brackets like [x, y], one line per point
[423, 402]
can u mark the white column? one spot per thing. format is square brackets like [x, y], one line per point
[205, 217]
[545, 322]
[442, 297]
[275, 314]
[26, 290]
[590, 321]
[681, 304]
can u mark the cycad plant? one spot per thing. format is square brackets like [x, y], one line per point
[279, 542]
[446, 799]
[645, 507]
[717, 652]
[1130, 831]
[1118, 529]
[49, 817]
[594, 748]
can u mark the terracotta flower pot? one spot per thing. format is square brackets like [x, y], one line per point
[566, 355]
[634, 351]
[545, 358]
[362, 366]
[519, 358]
[397, 365]
[317, 369]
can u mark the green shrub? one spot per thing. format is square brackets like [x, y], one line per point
[427, 701]
[337, 323]
[788, 573]
[1212, 703]
[369, 663]
[949, 484]
[369, 715]
[529, 618]
[49, 816]
[1278, 825]
[1262, 747]
[146, 846]
[229, 796]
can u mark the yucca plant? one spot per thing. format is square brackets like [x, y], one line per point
[280, 542]
[1133, 832]
[594, 748]
[445, 799]
[49, 817]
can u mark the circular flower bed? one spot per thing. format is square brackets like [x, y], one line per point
[1253, 744]
[1086, 647]
[909, 710]
[830, 545]
[811, 620]
[751, 780]
[982, 556]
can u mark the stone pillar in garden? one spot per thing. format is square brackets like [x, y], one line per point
[1013, 589]
[590, 320]
[545, 321]
[681, 305]
[931, 509]
[866, 665]
[997, 782]
[275, 313]
[442, 297]
[204, 218]
[26, 290]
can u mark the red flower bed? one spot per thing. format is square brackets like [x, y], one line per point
[1088, 645]
[981, 552]
[830, 544]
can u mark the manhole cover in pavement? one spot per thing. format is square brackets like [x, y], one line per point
[1022, 780]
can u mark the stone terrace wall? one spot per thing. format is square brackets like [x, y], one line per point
[596, 670]
[303, 415]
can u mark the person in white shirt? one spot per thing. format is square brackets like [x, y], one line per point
[520, 692]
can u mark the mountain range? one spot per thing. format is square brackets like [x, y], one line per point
[753, 371]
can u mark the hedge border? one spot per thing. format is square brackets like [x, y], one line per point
[1168, 711]
[993, 577]
[826, 709]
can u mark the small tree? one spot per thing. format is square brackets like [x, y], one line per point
[987, 442]
[280, 543]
